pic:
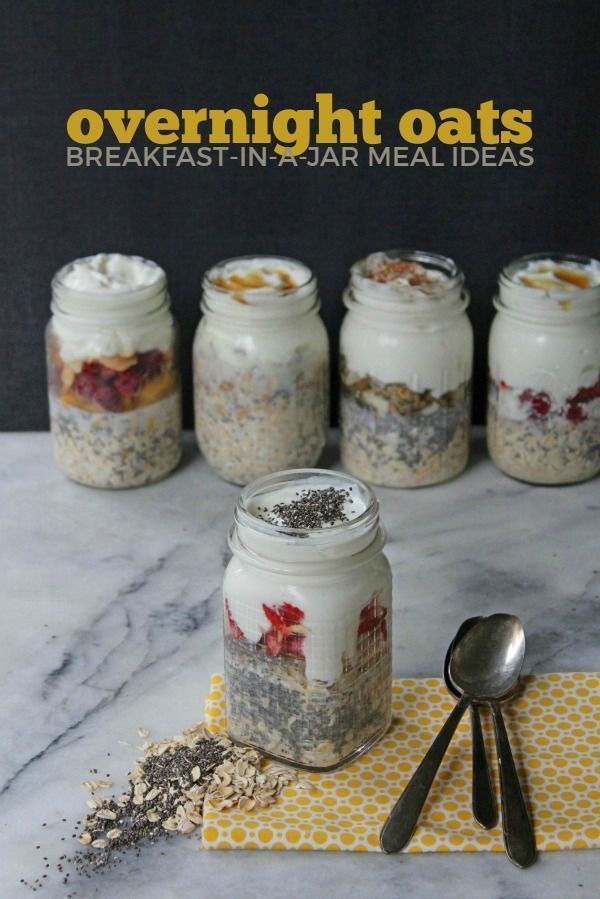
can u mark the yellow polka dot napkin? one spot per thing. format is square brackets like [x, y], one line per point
[554, 732]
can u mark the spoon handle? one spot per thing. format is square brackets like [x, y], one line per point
[485, 811]
[402, 820]
[519, 839]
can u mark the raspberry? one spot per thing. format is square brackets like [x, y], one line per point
[128, 382]
[87, 381]
[503, 384]
[526, 396]
[107, 397]
[540, 405]
[150, 363]
[586, 394]
[107, 374]
[575, 413]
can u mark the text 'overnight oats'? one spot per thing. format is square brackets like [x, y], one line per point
[406, 366]
[114, 387]
[307, 619]
[261, 368]
[544, 387]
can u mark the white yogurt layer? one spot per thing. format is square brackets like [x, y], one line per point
[406, 322]
[108, 272]
[557, 360]
[111, 305]
[426, 358]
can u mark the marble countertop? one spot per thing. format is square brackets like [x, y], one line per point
[111, 620]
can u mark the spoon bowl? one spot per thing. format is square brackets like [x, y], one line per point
[486, 662]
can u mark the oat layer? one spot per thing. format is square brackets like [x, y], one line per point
[544, 452]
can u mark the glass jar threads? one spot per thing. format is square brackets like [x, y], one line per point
[113, 377]
[261, 368]
[406, 354]
[544, 370]
[307, 602]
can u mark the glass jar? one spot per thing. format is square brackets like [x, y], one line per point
[543, 422]
[406, 355]
[113, 377]
[261, 368]
[307, 619]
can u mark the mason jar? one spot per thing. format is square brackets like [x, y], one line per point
[406, 356]
[261, 368]
[543, 423]
[113, 377]
[307, 600]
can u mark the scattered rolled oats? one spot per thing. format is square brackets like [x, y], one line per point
[169, 787]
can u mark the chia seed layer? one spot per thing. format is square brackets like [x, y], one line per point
[271, 705]
[254, 421]
[549, 451]
[117, 449]
[396, 438]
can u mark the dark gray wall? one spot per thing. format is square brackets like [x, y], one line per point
[60, 55]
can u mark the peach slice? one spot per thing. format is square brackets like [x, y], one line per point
[579, 279]
[546, 284]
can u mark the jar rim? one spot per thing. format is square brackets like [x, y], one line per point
[260, 257]
[103, 305]
[264, 304]
[539, 304]
[440, 296]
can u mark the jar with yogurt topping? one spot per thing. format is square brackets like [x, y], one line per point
[113, 377]
[261, 368]
[544, 370]
[406, 354]
[307, 619]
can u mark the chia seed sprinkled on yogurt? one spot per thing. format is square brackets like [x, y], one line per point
[313, 509]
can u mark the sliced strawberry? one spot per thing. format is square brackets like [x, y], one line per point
[274, 640]
[290, 614]
[294, 645]
[236, 631]
[273, 617]
[373, 617]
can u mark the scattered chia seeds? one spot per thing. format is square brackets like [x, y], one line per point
[166, 794]
[313, 509]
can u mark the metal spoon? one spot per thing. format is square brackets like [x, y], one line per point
[466, 674]
[486, 663]
[483, 800]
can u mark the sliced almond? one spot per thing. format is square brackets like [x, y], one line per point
[119, 363]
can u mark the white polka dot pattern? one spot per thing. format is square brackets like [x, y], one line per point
[554, 733]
